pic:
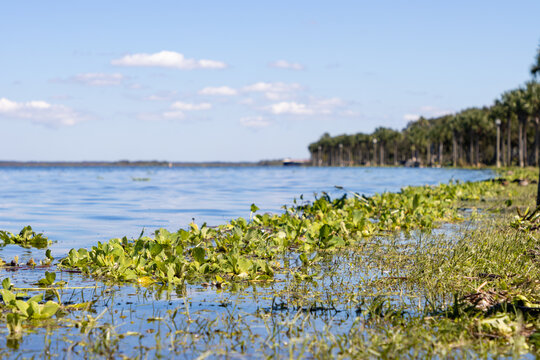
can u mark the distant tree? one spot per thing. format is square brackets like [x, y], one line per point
[535, 68]
[532, 92]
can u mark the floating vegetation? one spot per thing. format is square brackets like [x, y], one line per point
[26, 238]
[350, 277]
[247, 251]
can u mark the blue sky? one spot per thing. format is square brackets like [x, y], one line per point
[244, 80]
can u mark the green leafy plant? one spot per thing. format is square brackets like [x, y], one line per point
[26, 238]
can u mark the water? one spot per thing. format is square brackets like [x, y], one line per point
[76, 207]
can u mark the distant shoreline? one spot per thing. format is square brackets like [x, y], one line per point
[127, 163]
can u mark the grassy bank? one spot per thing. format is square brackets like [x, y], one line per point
[448, 270]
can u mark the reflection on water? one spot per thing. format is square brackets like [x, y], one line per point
[79, 206]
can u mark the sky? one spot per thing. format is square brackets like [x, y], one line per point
[244, 80]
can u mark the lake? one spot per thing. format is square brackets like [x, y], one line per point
[76, 207]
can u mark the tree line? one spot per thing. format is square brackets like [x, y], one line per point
[470, 137]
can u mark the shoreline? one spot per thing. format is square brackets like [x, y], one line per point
[138, 163]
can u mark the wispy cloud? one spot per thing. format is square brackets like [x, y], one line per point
[167, 59]
[290, 108]
[220, 90]
[178, 109]
[161, 96]
[254, 122]
[93, 79]
[272, 87]
[284, 64]
[39, 112]
[274, 91]
[179, 105]
[99, 79]
[411, 117]
[313, 107]
[427, 111]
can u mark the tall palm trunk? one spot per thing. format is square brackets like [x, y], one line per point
[454, 149]
[509, 142]
[536, 140]
[395, 154]
[525, 147]
[538, 192]
[471, 148]
[477, 151]
[503, 148]
[520, 142]
[440, 153]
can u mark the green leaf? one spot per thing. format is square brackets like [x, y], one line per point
[155, 249]
[36, 298]
[254, 208]
[49, 309]
[50, 277]
[416, 201]
[244, 265]
[198, 254]
[325, 231]
[7, 296]
[22, 306]
[6, 283]
[33, 310]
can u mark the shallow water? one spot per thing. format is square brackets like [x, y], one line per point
[79, 206]
[76, 207]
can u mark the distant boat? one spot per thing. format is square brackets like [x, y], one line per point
[295, 162]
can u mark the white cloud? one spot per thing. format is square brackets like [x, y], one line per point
[178, 115]
[178, 109]
[283, 64]
[93, 79]
[255, 122]
[291, 108]
[99, 79]
[273, 87]
[161, 96]
[411, 117]
[427, 111]
[168, 59]
[179, 105]
[314, 107]
[39, 112]
[274, 91]
[220, 90]
[432, 111]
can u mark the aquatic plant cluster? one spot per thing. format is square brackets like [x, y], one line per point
[246, 250]
[432, 271]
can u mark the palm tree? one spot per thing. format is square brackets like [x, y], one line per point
[535, 68]
[532, 91]
[417, 136]
[516, 103]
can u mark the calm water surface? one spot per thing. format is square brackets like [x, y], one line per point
[77, 207]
